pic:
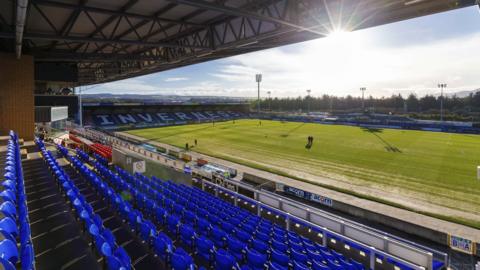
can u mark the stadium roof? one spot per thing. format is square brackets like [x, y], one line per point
[91, 41]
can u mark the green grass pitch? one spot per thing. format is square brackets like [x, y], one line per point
[435, 168]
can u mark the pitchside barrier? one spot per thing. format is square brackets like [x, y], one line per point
[397, 252]
[341, 228]
[332, 227]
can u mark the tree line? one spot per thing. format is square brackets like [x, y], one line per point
[394, 104]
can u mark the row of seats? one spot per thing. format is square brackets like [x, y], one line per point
[15, 231]
[259, 246]
[102, 150]
[102, 238]
[81, 155]
[247, 237]
[86, 158]
[176, 221]
[101, 159]
[162, 245]
[74, 138]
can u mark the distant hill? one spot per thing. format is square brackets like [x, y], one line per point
[462, 94]
[105, 97]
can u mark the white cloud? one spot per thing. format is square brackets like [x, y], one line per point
[342, 66]
[130, 86]
[332, 66]
[138, 86]
[235, 73]
[176, 79]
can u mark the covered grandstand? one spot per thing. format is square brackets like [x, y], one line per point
[66, 209]
[117, 116]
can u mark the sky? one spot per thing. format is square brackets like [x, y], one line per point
[411, 56]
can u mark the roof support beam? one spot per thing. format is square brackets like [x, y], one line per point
[35, 36]
[67, 27]
[140, 24]
[66, 56]
[242, 13]
[107, 22]
[22, 6]
[210, 23]
[109, 12]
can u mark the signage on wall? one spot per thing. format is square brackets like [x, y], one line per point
[308, 196]
[461, 244]
[139, 166]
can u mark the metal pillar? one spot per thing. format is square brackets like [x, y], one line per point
[363, 89]
[308, 101]
[258, 79]
[372, 258]
[441, 86]
[80, 107]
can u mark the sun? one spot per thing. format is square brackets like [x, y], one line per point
[339, 35]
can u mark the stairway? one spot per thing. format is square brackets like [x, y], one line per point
[57, 237]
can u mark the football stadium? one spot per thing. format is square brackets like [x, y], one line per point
[142, 180]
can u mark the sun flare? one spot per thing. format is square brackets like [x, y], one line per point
[339, 35]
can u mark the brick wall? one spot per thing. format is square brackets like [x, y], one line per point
[16, 95]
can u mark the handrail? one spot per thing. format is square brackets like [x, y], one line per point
[387, 241]
[325, 231]
[441, 254]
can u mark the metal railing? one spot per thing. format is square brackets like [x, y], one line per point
[344, 221]
[374, 252]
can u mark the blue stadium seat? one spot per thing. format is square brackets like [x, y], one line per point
[8, 195]
[260, 246]
[203, 226]
[163, 246]
[122, 255]
[334, 265]
[109, 237]
[114, 263]
[160, 214]
[187, 235]
[103, 247]
[256, 260]
[181, 260]
[204, 248]
[172, 224]
[9, 251]
[243, 235]
[224, 260]
[299, 257]
[6, 264]
[190, 217]
[27, 257]
[358, 266]
[218, 236]
[147, 231]
[9, 226]
[8, 209]
[279, 258]
[316, 265]
[275, 266]
[280, 246]
[300, 266]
